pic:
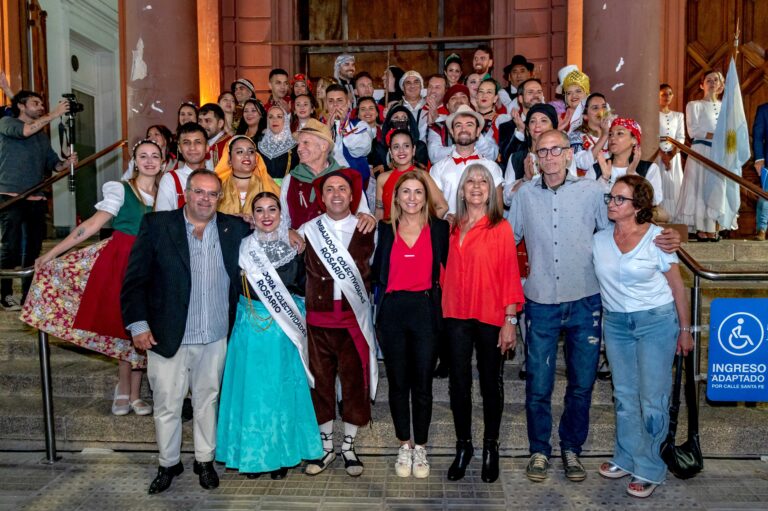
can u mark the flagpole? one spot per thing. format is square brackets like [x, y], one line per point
[736, 38]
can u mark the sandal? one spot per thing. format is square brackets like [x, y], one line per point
[120, 409]
[640, 489]
[314, 467]
[352, 463]
[610, 470]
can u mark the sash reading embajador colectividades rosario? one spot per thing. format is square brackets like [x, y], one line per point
[266, 282]
[341, 266]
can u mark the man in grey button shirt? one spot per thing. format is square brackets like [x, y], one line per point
[557, 214]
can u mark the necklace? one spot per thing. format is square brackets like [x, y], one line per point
[240, 177]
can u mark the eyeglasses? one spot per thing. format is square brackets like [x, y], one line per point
[617, 199]
[199, 192]
[554, 151]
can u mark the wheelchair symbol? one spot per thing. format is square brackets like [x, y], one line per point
[742, 336]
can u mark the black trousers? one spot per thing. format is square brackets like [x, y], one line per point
[408, 341]
[464, 335]
[25, 220]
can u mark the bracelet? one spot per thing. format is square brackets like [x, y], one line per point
[685, 329]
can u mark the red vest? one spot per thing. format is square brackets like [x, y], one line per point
[299, 205]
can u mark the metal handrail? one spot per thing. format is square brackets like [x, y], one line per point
[62, 174]
[46, 385]
[397, 41]
[699, 272]
[750, 187]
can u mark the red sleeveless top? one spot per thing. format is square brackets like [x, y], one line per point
[389, 189]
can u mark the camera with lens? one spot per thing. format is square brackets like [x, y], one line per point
[75, 107]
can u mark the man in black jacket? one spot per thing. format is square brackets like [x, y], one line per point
[178, 301]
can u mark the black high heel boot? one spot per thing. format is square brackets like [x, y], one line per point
[490, 470]
[464, 453]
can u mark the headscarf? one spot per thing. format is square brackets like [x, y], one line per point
[273, 145]
[341, 60]
[302, 78]
[387, 127]
[260, 181]
[541, 108]
[629, 124]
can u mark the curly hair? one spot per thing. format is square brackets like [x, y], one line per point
[642, 192]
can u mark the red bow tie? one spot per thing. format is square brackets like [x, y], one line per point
[465, 160]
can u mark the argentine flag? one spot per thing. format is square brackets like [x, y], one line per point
[730, 149]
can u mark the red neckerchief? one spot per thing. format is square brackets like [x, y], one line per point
[457, 161]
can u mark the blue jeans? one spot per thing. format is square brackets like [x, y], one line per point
[580, 320]
[761, 215]
[641, 347]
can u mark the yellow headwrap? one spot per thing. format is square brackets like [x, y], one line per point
[576, 78]
[260, 181]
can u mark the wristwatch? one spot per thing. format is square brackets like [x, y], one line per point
[511, 319]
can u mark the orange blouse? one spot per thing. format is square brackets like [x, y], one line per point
[482, 276]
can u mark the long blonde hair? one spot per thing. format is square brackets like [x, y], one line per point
[427, 212]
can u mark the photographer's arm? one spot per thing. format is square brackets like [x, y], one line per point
[33, 127]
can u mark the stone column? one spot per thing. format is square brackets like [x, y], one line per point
[621, 56]
[161, 62]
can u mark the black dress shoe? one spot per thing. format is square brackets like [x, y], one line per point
[252, 475]
[186, 410]
[209, 479]
[164, 478]
[464, 452]
[490, 470]
[278, 474]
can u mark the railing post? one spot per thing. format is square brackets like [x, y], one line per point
[47, 387]
[696, 324]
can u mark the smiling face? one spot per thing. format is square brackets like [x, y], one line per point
[539, 123]
[481, 62]
[533, 93]
[453, 73]
[337, 197]
[476, 189]
[456, 101]
[242, 93]
[595, 111]
[251, 115]
[312, 149]
[242, 157]
[368, 111]
[300, 88]
[347, 70]
[202, 195]
[473, 82]
[302, 107]
[266, 214]
[411, 196]
[148, 159]
[155, 136]
[279, 85]
[402, 150]
[574, 95]
[187, 114]
[465, 130]
[276, 120]
[436, 88]
[412, 88]
[193, 147]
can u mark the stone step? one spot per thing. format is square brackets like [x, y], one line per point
[728, 251]
[83, 422]
[95, 377]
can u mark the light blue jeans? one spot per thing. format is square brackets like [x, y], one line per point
[641, 347]
[761, 216]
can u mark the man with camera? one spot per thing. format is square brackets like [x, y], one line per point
[26, 158]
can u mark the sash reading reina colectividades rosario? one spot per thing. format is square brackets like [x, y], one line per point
[266, 282]
[342, 268]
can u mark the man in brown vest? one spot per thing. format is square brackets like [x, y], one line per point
[338, 315]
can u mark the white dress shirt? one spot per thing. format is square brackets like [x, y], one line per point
[342, 230]
[166, 190]
[447, 174]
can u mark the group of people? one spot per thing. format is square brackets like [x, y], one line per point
[251, 246]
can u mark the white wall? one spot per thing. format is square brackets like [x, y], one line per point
[88, 29]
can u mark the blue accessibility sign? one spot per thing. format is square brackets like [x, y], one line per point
[738, 350]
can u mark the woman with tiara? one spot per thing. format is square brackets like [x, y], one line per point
[267, 421]
[77, 297]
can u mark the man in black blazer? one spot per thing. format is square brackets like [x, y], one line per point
[179, 301]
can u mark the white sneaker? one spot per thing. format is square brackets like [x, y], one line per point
[420, 463]
[404, 461]
[10, 303]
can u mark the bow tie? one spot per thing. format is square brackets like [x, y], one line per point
[465, 160]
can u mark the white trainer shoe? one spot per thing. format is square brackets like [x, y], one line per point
[404, 461]
[420, 463]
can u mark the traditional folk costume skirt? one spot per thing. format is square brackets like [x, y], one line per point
[76, 297]
[266, 417]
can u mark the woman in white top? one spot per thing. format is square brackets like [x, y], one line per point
[624, 144]
[77, 297]
[701, 120]
[645, 320]
[671, 124]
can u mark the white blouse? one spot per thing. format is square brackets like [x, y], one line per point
[633, 281]
[114, 197]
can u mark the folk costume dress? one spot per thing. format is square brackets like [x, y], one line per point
[76, 297]
[671, 124]
[279, 152]
[266, 417]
